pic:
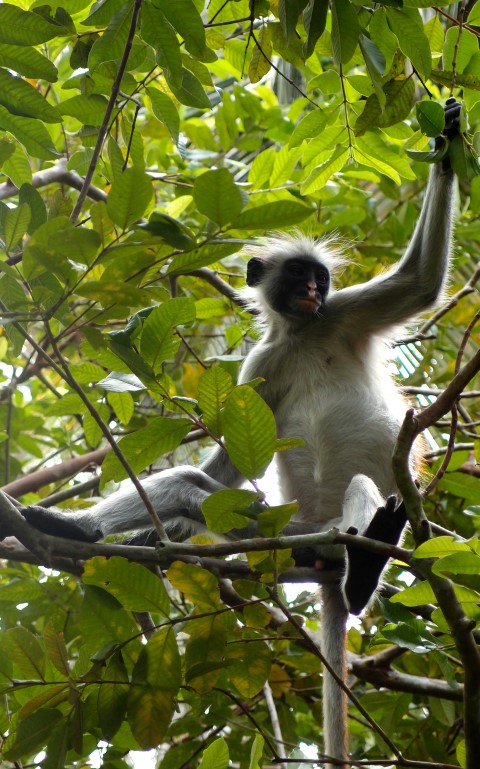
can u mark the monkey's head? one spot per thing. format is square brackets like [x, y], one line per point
[292, 276]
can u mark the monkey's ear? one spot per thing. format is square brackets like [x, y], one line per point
[255, 271]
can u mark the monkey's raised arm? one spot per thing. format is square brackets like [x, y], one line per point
[416, 282]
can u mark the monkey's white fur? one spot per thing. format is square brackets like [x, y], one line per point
[327, 381]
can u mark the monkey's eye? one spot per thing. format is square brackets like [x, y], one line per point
[295, 270]
[322, 278]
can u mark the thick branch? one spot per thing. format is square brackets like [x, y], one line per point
[369, 670]
[56, 174]
[55, 473]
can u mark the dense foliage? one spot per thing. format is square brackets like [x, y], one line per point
[142, 144]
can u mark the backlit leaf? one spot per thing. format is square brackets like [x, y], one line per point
[133, 585]
[199, 585]
[129, 197]
[144, 446]
[217, 196]
[250, 432]
[345, 30]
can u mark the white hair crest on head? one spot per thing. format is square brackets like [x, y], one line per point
[277, 248]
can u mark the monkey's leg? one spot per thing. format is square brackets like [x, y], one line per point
[176, 496]
[365, 568]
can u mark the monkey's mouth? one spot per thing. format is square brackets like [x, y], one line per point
[307, 304]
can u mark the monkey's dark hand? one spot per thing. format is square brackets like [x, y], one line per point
[311, 558]
[50, 522]
[453, 109]
[364, 568]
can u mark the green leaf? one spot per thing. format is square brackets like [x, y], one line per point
[261, 168]
[216, 756]
[383, 157]
[458, 563]
[417, 595]
[474, 14]
[284, 164]
[431, 117]
[382, 36]
[111, 45]
[459, 484]
[310, 125]
[32, 733]
[229, 509]
[407, 25]
[251, 666]
[288, 13]
[102, 621]
[19, 27]
[444, 77]
[129, 197]
[439, 547]
[28, 194]
[314, 21]
[17, 166]
[16, 224]
[376, 63]
[113, 696]
[156, 679]
[213, 388]
[217, 196]
[160, 34]
[87, 109]
[459, 47]
[31, 133]
[201, 257]
[276, 215]
[53, 243]
[184, 17]
[256, 752]
[173, 232]
[399, 95]
[345, 30]
[260, 62]
[28, 62]
[20, 98]
[123, 405]
[334, 137]
[56, 649]
[143, 447]
[205, 652]
[23, 649]
[165, 110]
[159, 342]
[273, 520]
[435, 35]
[197, 584]
[134, 586]
[190, 92]
[320, 176]
[432, 156]
[250, 432]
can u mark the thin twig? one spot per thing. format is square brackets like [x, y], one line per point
[102, 132]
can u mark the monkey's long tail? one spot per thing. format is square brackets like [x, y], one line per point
[334, 635]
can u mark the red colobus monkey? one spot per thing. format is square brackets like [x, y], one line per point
[322, 355]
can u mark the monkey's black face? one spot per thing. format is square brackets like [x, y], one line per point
[302, 287]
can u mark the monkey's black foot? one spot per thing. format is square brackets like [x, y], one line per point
[51, 522]
[364, 568]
